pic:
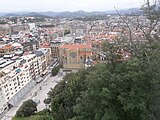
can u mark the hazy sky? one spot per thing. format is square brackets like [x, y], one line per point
[66, 5]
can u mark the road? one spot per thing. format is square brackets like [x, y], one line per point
[48, 83]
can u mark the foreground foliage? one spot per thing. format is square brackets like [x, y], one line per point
[117, 90]
[42, 115]
[27, 109]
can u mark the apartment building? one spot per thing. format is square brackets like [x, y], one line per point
[3, 103]
[47, 53]
[6, 49]
[41, 62]
[55, 48]
[31, 59]
[19, 74]
[14, 75]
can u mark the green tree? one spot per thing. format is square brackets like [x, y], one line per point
[63, 96]
[66, 32]
[45, 115]
[28, 108]
[125, 92]
[56, 69]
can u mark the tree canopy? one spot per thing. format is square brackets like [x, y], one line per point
[27, 109]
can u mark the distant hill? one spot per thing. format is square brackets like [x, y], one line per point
[2, 14]
[79, 13]
[12, 14]
[125, 11]
[35, 14]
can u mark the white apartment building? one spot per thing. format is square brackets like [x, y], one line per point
[47, 54]
[18, 76]
[31, 60]
[14, 75]
[41, 60]
[3, 103]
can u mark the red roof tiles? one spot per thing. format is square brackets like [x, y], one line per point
[76, 46]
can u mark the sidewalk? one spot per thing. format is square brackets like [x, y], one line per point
[11, 113]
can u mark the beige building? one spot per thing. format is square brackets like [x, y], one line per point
[56, 43]
[75, 56]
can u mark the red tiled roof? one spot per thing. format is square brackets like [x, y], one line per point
[44, 45]
[26, 53]
[76, 46]
[6, 47]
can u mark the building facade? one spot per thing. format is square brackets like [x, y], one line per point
[75, 56]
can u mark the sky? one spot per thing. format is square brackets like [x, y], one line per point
[66, 5]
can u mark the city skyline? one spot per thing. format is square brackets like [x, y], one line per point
[70, 5]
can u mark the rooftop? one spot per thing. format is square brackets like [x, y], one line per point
[76, 46]
[38, 53]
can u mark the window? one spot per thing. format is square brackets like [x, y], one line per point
[81, 59]
[65, 59]
[5, 86]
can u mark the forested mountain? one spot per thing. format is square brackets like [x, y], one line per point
[79, 13]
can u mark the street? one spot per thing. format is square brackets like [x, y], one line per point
[48, 83]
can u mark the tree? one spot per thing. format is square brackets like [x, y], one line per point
[63, 96]
[123, 92]
[47, 101]
[66, 32]
[45, 115]
[151, 10]
[27, 109]
[55, 70]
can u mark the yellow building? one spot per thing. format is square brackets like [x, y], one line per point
[75, 56]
